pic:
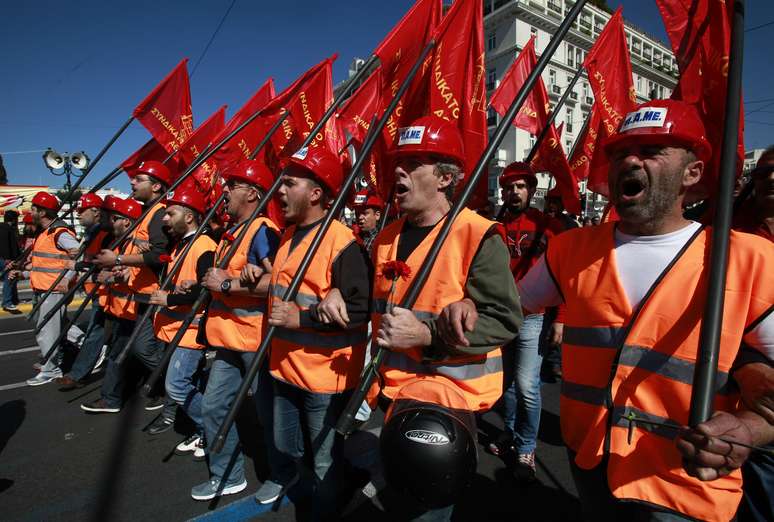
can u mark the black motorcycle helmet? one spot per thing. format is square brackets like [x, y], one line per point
[428, 450]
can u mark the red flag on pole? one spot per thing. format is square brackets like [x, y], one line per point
[700, 33]
[586, 146]
[534, 113]
[552, 159]
[204, 135]
[610, 75]
[166, 111]
[241, 145]
[457, 92]
[152, 150]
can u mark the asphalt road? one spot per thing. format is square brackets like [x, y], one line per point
[58, 463]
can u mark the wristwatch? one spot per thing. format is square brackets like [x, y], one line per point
[225, 286]
[118, 260]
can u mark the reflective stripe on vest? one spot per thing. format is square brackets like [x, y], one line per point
[48, 260]
[477, 377]
[236, 322]
[314, 360]
[618, 361]
[169, 319]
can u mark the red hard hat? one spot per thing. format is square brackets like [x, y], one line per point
[157, 170]
[370, 202]
[89, 200]
[188, 197]
[251, 171]
[322, 164]
[516, 170]
[431, 135]
[46, 200]
[126, 207]
[662, 122]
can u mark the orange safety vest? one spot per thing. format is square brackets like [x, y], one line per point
[143, 281]
[169, 319]
[478, 377]
[235, 322]
[315, 360]
[48, 260]
[94, 248]
[618, 361]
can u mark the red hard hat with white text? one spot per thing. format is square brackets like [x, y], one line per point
[45, 200]
[89, 200]
[322, 164]
[157, 170]
[250, 171]
[126, 207]
[517, 170]
[665, 123]
[188, 197]
[431, 135]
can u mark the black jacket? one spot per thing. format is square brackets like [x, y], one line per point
[9, 242]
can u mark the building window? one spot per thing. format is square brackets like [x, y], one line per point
[568, 120]
[551, 77]
[568, 145]
[491, 42]
[585, 90]
[578, 56]
[491, 79]
[532, 140]
[570, 55]
[639, 84]
[533, 32]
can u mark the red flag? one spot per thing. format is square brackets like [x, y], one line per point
[533, 114]
[355, 115]
[152, 150]
[457, 92]
[204, 135]
[241, 145]
[586, 146]
[166, 111]
[307, 98]
[552, 159]
[397, 53]
[700, 33]
[610, 75]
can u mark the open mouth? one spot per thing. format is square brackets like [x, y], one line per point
[631, 188]
[400, 188]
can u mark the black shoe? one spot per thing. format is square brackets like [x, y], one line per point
[160, 425]
[154, 404]
[99, 406]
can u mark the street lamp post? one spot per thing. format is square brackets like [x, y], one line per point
[62, 165]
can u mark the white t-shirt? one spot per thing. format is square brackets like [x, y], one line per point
[639, 260]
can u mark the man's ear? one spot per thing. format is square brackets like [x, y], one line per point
[692, 173]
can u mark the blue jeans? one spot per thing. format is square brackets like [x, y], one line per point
[92, 345]
[224, 381]
[8, 286]
[182, 373]
[146, 349]
[521, 399]
[319, 412]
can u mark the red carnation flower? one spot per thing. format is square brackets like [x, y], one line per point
[228, 236]
[392, 270]
[165, 258]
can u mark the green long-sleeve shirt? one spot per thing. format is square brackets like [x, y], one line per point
[490, 285]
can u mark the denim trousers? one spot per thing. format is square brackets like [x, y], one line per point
[182, 383]
[91, 346]
[521, 398]
[227, 466]
[8, 286]
[146, 349]
[50, 332]
[294, 407]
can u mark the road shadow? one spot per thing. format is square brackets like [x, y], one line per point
[12, 414]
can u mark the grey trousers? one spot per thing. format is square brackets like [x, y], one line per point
[52, 329]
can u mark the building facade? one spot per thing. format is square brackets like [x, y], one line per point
[508, 26]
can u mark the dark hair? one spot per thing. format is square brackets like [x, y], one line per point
[456, 172]
[11, 215]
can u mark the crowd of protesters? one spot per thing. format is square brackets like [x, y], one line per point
[613, 309]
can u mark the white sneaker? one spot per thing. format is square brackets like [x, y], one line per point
[44, 378]
[100, 360]
[187, 445]
[199, 453]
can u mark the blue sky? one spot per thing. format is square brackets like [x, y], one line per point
[73, 71]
